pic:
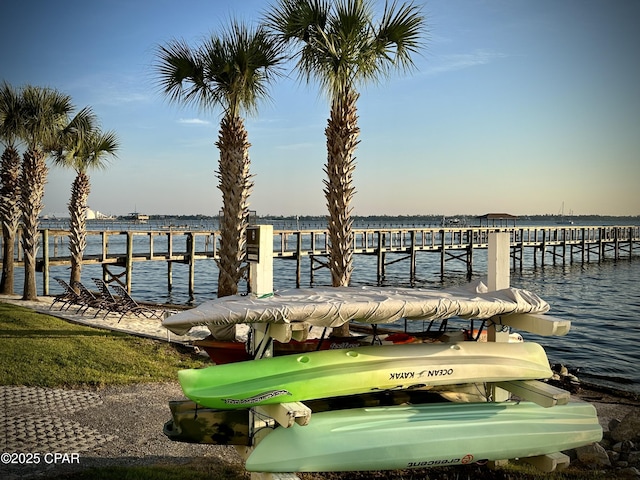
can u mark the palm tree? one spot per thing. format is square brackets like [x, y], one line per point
[82, 147]
[45, 113]
[9, 179]
[230, 72]
[339, 45]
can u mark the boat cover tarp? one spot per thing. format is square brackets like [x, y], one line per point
[334, 306]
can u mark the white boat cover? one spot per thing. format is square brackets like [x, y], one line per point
[334, 306]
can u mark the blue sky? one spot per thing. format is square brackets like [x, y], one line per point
[516, 106]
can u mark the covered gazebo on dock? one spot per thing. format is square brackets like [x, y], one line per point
[497, 219]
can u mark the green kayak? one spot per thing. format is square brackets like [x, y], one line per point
[333, 373]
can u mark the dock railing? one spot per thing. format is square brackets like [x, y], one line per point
[118, 248]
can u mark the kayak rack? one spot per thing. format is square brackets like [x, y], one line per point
[263, 418]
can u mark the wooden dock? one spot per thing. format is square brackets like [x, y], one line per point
[554, 244]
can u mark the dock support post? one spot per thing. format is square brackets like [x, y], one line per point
[470, 234]
[191, 248]
[381, 258]
[169, 276]
[260, 256]
[129, 261]
[601, 244]
[442, 253]
[105, 246]
[498, 261]
[298, 257]
[498, 278]
[45, 262]
[412, 266]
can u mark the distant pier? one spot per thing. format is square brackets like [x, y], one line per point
[117, 251]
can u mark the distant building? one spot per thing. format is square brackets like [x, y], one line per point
[497, 219]
[138, 217]
[96, 215]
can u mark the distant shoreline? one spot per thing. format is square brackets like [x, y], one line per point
[317, 218]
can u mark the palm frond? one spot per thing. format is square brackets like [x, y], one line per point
[401, 34]
[10, 114]
[180, 73]
[239, 66]
[100, 146]
[82, 146]
[341, 44]
[44, 113]
[297, 20]
[231, 70]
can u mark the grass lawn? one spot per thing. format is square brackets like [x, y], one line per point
[41, 350]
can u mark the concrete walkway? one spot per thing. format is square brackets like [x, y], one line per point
[42, 421]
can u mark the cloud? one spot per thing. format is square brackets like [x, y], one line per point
[460, 61]
[193, 121]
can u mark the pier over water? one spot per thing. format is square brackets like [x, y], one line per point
[118, 250]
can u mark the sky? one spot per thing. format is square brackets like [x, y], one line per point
[515, 106]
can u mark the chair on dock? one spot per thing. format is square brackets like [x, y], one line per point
[67, 298]
[129, 305]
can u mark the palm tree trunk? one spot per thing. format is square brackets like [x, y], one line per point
[235, 185]
[342, 139]
[9, 214]
[32, 182]
[342, 134]
[77, 223]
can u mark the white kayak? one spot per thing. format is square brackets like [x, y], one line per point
[335, 306]
[400, 437]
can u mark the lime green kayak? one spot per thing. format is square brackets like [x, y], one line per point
[334, 373]
[400, 437]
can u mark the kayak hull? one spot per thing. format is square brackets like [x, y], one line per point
[192, 423]
[400, 437]
[334, 373]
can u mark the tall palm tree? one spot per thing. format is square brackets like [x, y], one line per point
[82, 146]
[45, 112]
[9, 180]
[232, 72]
[339, 45]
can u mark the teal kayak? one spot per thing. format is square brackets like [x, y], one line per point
[400, 437]
[333, 373]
